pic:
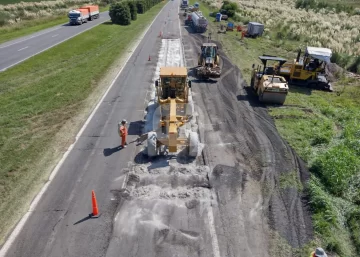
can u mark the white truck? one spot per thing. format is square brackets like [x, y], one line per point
[184, 4]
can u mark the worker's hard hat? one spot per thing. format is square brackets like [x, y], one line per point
[123, 121]
[319, 252]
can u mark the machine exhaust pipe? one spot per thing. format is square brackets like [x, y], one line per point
[298, 56]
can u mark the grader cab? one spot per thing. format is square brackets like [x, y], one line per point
[172, 90]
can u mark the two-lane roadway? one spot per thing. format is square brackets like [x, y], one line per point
[18, 50]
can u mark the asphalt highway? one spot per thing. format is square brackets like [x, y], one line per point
[60, 223]
[16, 51]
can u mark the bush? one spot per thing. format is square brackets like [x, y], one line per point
[133, 9]
[229, 8]
[120, 13]
[141, 6]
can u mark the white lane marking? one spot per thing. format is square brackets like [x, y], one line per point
[35, 202]
[55, 35]
[23, 48]
[17, 42]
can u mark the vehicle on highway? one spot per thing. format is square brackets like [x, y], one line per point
[83, 14]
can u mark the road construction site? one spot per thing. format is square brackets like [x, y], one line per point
[227, 201]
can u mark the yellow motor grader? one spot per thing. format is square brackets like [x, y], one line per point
[269, 87]
[172, 90]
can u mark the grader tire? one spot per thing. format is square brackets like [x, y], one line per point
[151, 144]
[193, 144]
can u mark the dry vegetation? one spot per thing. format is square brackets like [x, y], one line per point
[15, 13]
[324, 28]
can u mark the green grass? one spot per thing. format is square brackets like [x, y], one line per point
[18, 1]
[31, 26]
[324, 130]
[40, 95]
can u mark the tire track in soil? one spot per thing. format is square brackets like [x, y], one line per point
[256, 145]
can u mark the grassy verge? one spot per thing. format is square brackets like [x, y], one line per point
[324, 129]
[31, 26]
[36, 100]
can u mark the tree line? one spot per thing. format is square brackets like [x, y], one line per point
[124, 12]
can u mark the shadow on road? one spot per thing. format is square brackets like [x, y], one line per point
[86, 218]
[110, 151]
[135, 127]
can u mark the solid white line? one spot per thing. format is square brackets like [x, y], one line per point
[55, 35]
[23, 48]
[51, 46]
[35, 202]
[29, 38]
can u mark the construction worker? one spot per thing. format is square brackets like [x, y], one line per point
[123, 133]
[319, 252]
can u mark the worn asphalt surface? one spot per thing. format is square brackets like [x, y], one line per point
[176, 207]
[18, 50]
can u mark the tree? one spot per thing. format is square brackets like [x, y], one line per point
[133, 9]
[140, 4]
[120, 13]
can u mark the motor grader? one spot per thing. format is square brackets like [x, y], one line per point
[172, 89]
[269, 87]
[208, 62]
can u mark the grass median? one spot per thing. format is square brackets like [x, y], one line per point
[324, 130]
[39, 96]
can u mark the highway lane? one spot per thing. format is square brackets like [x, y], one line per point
[58, 226]
[16, 51]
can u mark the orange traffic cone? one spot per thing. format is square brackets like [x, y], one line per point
[95, 211]
[149, 58]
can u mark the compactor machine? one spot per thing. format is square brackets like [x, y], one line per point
[309, 70]
[172, 90]
[269, 87]
[208, 62]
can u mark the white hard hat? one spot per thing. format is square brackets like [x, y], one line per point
[319, 252]
[123, 121]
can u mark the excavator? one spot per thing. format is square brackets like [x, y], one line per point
[208, 62]
[308, 70]
[172, 90]
[270, 88]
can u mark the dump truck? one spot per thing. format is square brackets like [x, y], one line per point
[83, 14]
[94, 11]
[309, 70]
[78, 16]
[172, 89]
[269, 87]
[208, 62]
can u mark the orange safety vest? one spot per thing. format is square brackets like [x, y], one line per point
[123, 131]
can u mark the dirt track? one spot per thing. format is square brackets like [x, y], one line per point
[248, 158]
